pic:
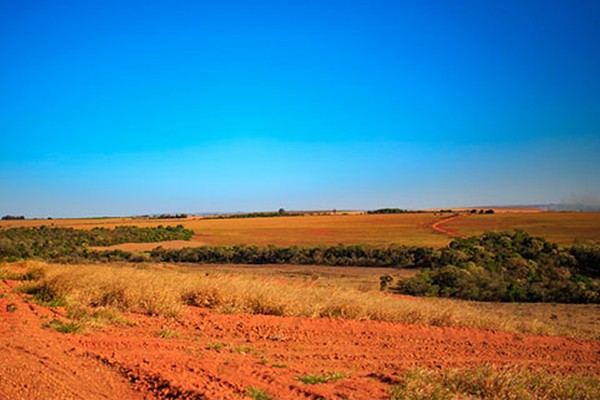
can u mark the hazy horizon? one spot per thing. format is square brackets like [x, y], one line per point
[132, 108]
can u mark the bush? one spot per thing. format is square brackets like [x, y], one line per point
[68, 244]
[509, 267]
[587, 257]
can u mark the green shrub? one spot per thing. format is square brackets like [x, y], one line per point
[321, 378]
[63, 327]
[44, 294]
[68, 244]
[258, 394]
[508, 267]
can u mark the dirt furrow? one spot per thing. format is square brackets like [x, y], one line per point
[207, 355]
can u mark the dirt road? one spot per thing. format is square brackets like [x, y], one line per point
[440, 228]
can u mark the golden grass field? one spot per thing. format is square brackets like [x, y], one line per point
[412, 229]
[309, 291]
[166, 289]
[558, 227]
[378, 229]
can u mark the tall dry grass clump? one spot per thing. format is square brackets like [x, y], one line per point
[158, 291]
[493, 383]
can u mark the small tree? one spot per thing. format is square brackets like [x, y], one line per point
[384, 281]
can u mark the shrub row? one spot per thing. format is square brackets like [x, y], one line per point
[510, 267]
[51, 243]
[342, 255]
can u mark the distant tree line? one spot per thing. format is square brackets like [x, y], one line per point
[12, 217]
[71, 245]
[393, 211]
[340, 255]
[258, 214]
[168, 216]
[68, 244]
[481, 211]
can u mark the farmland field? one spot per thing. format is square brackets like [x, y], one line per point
[410, 229]
[378, 230]
[558, 227]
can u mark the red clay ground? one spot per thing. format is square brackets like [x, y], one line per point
[220, 356]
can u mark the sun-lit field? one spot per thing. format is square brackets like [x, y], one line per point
[410, 229]
[359, 278]
[559, 227]
[378, 230]
[413, 229]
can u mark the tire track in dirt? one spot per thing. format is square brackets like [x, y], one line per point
[36, 363]
[266, 352]
[371, 353]
[438, 226]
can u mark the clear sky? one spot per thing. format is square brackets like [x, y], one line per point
[126, 108]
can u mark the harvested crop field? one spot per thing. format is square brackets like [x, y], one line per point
[422, 229]
[74, 351]
[558, 227]
[410, 229]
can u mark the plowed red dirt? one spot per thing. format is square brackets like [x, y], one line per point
[206, 355]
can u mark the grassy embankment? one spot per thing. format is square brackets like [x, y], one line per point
[167, 292]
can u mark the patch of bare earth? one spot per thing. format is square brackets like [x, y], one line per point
[213, 356]
[39, 364]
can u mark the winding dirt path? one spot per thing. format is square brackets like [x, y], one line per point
[438, 226]
[211, 356]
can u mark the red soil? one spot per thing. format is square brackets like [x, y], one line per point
[220, 356]
[437, 226]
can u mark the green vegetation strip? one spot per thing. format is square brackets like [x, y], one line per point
[511, 267]
[67, 244]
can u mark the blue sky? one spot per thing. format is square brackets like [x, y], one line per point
[126, 108]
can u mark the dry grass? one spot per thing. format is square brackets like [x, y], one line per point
[154, 291]
[579, 320]
[20, 271]
[360, 278]
[558, 227]
[486, 382]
